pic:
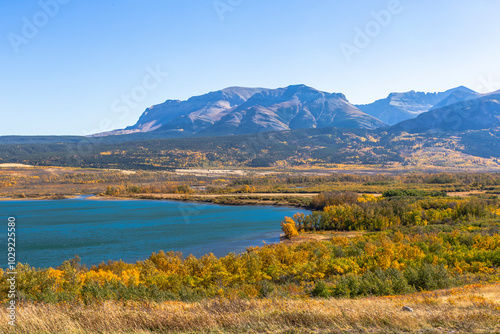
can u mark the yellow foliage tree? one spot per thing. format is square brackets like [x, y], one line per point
[288, 226]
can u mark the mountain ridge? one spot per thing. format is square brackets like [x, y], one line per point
[240, 110]
[464, 133]
[398, 107]
[474, 114]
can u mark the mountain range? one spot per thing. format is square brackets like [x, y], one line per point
[471, 114]
[241, 110]
[398, 107]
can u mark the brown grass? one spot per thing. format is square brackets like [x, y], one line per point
[321, 236]
[467, 193]
[472, 309]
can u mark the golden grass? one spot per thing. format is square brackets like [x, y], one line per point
[321, 236]
[472, 309]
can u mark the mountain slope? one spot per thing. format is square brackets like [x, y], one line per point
[197, 112]
[477, 114]
[457, 95]
[294, 107]
[399, 107]
[238, 110]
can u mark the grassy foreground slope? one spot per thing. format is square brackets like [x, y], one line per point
[470, 309]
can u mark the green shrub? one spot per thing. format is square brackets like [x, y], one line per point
[427, 277]
[372, 283]
[413, 193]
[322, 290]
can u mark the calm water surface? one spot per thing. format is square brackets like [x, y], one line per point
[50, 232]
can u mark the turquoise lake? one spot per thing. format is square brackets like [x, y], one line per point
[50, 232]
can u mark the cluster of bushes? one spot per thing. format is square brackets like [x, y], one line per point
[149, 189]
[413, 193]
[386, 282]
[465, 179]
[249, 199]
[330, 198]
[378, 214]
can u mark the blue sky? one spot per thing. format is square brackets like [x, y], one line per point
[88, 66]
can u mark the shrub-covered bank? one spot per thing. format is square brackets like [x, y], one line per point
[399, 260]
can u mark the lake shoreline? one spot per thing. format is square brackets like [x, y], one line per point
[224, 200]
[108, 229]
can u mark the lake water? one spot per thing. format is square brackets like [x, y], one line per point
[50, 232]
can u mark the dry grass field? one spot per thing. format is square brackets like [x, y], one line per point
[470, 309]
